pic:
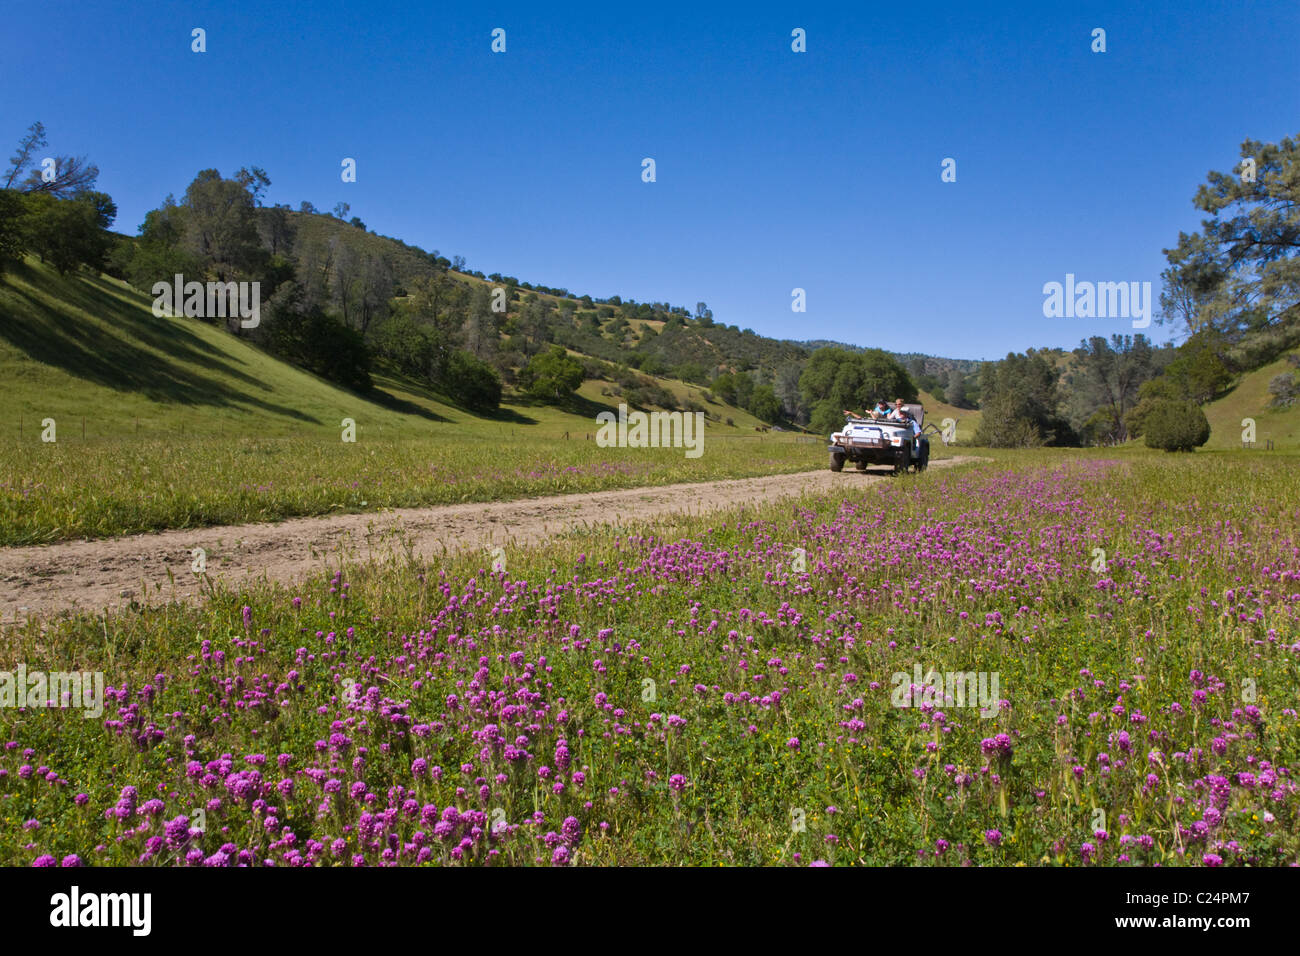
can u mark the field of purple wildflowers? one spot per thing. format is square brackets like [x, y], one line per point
[717, 691]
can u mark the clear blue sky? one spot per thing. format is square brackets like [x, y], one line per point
[776, 170]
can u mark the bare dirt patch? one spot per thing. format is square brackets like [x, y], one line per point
[155, 568]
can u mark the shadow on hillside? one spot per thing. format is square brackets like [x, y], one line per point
[580, 406]
[391, 402]
[588, 407]
[114, 359]
[507, 415]
[388, 376]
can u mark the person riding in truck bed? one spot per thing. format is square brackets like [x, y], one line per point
[881, 410]
[900, 414]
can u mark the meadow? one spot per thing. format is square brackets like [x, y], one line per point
[699, 691]
[106, 487]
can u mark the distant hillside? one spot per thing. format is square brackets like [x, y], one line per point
[82, 346]
[1250, 398]
[612, 329]
[413, 308]
[348, 303]
[933, 363]
[967, 420]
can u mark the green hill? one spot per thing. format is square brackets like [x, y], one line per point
[83, 346]
[968, 420]
[90, 347]
[1249, 398]
[171, 422]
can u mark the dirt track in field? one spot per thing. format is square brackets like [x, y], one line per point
[96, 575]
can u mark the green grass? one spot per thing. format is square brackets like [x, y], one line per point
[989, 569]
[76, 489]
[89, 348]
[166, 423]
[1249, 398]
[936, 410]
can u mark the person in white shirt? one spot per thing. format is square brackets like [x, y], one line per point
[900, 414]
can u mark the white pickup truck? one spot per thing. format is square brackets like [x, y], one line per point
[881, 441]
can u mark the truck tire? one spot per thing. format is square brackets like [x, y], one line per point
[862, 465]
[904, 460]
[837, 461]
[924, 460]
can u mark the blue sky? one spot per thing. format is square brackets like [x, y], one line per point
[775, 169]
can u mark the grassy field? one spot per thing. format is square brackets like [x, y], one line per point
[92, 489]
[699, 692]
[165, 423]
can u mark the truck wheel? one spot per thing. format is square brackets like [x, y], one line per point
[923, 462]
[862, 466]
[837, 461]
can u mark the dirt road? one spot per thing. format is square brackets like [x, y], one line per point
[95, 575]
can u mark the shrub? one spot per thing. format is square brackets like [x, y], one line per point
[998, 430]
[1176, 426]
[417, 350]
[1285, 389]
[144, 263]
[650, 396]
[1199, 371]
[552, 376]
[314, 340]
[692, 372]
[653, 364]
[11, 234]
[475, 384]
[763, 404]
[69, 233]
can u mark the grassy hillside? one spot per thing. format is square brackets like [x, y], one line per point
[83, 347]
[936, 411]
[1250, 399]
[163, 422]
[624, 331]
[349, 268]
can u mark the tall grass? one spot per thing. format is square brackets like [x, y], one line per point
[73, 489]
